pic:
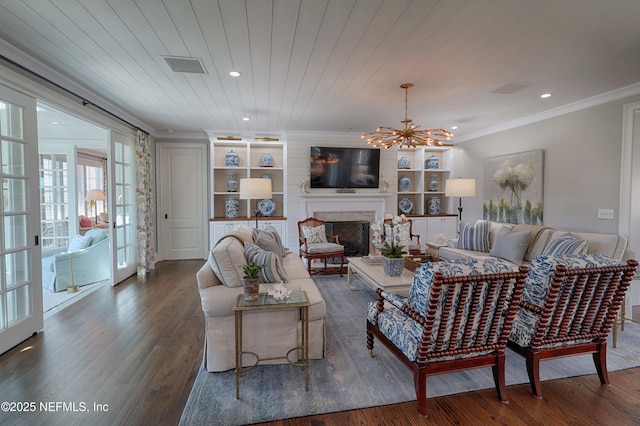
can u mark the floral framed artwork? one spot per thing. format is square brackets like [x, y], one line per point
[513, 188]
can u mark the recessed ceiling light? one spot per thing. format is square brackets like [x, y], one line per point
[235, 74]
[546, 95]
[454, 127]
[55, 122]
[245, 118]
[168, 130]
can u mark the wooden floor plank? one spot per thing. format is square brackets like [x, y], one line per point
[138, 347]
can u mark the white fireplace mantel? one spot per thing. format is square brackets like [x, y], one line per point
[315, 203]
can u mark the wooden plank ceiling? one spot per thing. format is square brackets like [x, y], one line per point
[331, 65]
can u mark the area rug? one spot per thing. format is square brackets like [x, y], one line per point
[348, 378]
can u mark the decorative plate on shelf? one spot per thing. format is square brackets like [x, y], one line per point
[267, 207]
[406, 205]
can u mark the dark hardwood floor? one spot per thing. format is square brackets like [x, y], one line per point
[135, 351]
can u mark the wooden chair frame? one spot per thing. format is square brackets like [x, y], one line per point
[506, 286]
[580, 304]
[304, 248]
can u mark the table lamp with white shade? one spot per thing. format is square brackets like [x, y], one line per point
[255, 189]
[460, 188]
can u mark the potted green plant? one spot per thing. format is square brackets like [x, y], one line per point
[392, 258]
[251, 280]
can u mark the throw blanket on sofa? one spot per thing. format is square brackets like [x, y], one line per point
[536, 230]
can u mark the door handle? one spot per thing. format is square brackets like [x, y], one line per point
[166, 216]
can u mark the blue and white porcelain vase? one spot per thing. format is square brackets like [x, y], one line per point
[404, 184]
[433, 183]
[266, 160]
[433, 206]
[232, 183]
[231, 207]
[393, 266]
[266, 176]
[433, 162]
[231, 159]
[404, 163]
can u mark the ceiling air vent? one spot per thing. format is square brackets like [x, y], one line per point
[510, 88]
[184, 64]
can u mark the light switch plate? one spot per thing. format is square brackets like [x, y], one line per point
[605, 213]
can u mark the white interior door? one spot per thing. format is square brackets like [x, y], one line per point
[183, 200]
[21, 273]
[122, 201]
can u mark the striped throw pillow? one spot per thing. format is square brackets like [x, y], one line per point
[474, 237]
[566, 245]
[273, 271]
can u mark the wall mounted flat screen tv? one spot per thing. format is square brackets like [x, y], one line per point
[337, 167]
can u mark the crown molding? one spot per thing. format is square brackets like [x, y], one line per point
[603, 98]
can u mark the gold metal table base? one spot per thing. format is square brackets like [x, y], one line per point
[297, 299]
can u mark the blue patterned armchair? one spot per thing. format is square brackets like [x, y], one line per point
[568, 307]
[457, 316]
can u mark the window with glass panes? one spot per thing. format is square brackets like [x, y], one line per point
[54, 201]
[90, 176]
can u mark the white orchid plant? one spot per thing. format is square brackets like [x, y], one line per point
[377, 229]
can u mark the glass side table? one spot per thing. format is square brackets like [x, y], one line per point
[297, 299]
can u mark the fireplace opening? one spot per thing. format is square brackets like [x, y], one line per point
[353, 235]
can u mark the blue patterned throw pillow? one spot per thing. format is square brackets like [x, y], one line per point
[474, 237]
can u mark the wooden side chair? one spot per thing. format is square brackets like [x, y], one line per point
[569, 306]
[456, 317]
[314, 243]
[404, 230]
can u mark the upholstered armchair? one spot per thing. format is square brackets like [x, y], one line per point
[457, 316]
[85, 261]
[314, 243]
[403, 233]
[568, 307]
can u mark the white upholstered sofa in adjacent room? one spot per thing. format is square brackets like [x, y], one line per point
[267, 333]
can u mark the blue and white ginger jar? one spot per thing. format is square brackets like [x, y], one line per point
[433, 183]
[266, 160]
[434, 205]
[404, 183]
[232, 183]
[231, 159]
[231, 207]
[404, 163]
[433, 162]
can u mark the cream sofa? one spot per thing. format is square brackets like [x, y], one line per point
[611, 245]
[267, 333]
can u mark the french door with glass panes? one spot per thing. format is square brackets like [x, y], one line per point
[21, 274]
[122, 203]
